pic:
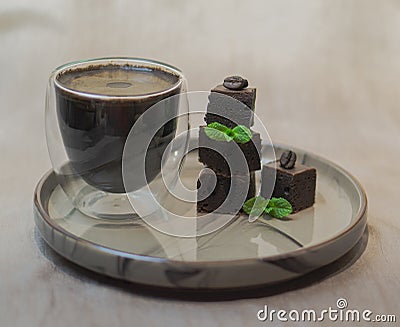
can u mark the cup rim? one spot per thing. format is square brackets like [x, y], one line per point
[117, 60]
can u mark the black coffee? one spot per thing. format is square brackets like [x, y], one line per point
[96, 108]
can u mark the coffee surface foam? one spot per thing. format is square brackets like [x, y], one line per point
[117, 80]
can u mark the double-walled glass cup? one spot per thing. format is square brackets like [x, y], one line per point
[91, 107]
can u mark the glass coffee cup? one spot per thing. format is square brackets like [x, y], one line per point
[91, 106]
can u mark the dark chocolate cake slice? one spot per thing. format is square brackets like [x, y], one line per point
[296, 184]
[231, 107]
[212, 153]
[243, 187]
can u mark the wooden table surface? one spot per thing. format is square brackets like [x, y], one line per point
[328, 76]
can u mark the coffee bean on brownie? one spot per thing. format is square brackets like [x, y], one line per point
[235, 83]
[288, 159]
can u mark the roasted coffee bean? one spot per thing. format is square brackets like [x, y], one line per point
[235, 83]
[288, 159]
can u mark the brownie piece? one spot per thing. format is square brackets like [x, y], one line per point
[240, 184]
[297, 185]
[212, 154]
[236, 109]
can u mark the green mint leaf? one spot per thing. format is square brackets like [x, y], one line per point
[218, 132]
[217, 135]
[278, 208]
[255, 206]
[267, 210]
[219, 127]
[242, 134]
[230, 133]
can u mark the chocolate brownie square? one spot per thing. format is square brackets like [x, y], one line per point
[297, 185]
[231, 107]
[212, 153]
[243, 187]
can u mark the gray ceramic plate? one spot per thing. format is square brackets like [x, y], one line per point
[241, 254]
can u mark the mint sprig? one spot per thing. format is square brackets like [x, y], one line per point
[220, 132]
[275, 207]
[255, 206]
[278, 208]
[241, 134]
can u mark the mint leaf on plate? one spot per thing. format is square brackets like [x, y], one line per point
[275, 207]
[278, 208]
[255, 206]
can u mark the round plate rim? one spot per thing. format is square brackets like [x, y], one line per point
[360, 215]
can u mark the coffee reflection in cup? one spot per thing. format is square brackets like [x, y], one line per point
[98, 104]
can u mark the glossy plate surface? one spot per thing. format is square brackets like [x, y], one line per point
[241, 254]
